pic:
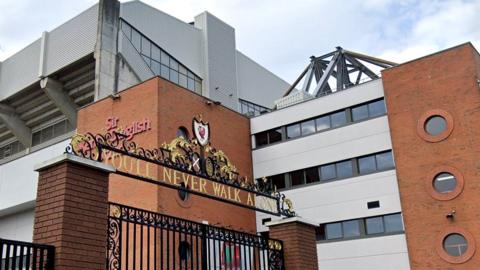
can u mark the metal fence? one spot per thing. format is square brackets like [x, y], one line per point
[139, 239]
[24, 255]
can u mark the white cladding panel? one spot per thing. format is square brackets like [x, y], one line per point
[18, 180]
[343, 99]
[257, 84]
[18, 226]
[72, 40]
[377, 253]
[182, 40]
[20, 70]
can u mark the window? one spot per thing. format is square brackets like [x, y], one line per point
[293, 131]
[311, 175]
[384, 161]
[261, 138]
[334, 231]
[366, 165]
[51, 132]
[374, 204]
[10, 149]
[344, 169]
[297, 178]
[339, 119]
[320, 232]
[278, 180]
[268, 137]
[323, 123]
[275, 135]
[360, 113]
[184, 250]
[377, 108]
[374, 225]
[444, 182]
[435, 125]
[455, 244]
[308, 127]
[182, 132]
[328, 172]
[393, 223]
[351, 228]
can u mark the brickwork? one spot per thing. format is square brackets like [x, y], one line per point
[299, 245]
[444, 81]
[71, 214]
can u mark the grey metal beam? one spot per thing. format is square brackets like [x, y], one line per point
[16, 125]
[373, 60]
[362, 67]
[61, 99]
[296, 81]
[328, 71]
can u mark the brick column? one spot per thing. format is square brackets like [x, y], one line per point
[299, 243]
[71, 211]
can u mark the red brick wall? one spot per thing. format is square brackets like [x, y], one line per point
[71, 214]
[446, 81]
[169, 106]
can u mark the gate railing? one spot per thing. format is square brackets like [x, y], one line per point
[24, 255]
[139, 239]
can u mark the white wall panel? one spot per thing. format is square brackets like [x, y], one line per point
[18, 226]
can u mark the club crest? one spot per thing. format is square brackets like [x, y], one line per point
[202, 131]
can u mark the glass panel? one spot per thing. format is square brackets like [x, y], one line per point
[165, 59]
[455, 244]
[59, 129]
[47, 133]
[308, 127]
[328, 172]
[165, 72]
[374, 225]
[145, 47]
[155, 67]
[182, 80]
[444, 182]
[297, 178]
[393, 223]
[182, 69]
[191, 84]
[344, 169]
[198, 86]
[323, 123]
[435, 125]
[146, 59]
[261, 138]
[360, 113]
[155, 53]
[320, 232]
[338, 119]
[293, 131]
[351, 228]
[36, 138]
[334, 230]
[278, 180]
[136, 39]
[127, 30]
[275, 135]
[366, 165]
[173, 64]
[174, 76]
[385, 161]
[190, 74]
[311, 175]
[377, 108]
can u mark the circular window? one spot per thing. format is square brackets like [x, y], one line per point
[455, 244]
[182, 132]
[183, 192]
[184, 251]
[444, 182]
[435, 125]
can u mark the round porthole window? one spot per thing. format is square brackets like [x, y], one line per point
[183, 192]
[444, 182]
[455, 245]
[435, 125]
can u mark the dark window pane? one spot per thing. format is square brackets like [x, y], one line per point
[385, 161]
[344, 169]
[320, 232]
[435, 125]
[444, 182]
[261, 138]
[36, 138]
[275, 135]
[47, 133]
[308, 127]
[360, 113]
[59, 129]
[278, 180]
[328, 172]
[297, 178]
[293, 131]
[393, 223]
[323, 123]
[311, 175]
[366, 165]
[351, 228]
[455, 244]
[334, 230]
[338, 119]
[377, 108]
[374, 225]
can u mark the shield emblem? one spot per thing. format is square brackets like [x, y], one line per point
[201, 131]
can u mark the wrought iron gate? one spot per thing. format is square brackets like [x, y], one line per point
[139, 239]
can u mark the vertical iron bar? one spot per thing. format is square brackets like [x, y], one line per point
[7, 257]
[27, 264]
[204, 250]
[168, 248]
[1, 256]
[14, 257]
[161, 248]
[127, 244]
[191, 250]
[120, 244]
[41, 259]
[34, 259]
[148, 247]
[155, 247]
[134, 246]
[214, 252]
[141, 246]
[20, 263]
[173, 250]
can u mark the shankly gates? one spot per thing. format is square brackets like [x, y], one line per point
[140, 239]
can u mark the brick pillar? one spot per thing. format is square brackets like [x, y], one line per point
[299, 242]
[71, 211]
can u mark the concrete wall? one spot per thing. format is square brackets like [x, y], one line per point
[18, 226]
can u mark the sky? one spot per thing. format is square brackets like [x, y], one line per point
[282, 34]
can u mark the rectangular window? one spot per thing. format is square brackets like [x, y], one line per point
[274, 135]
[127, 30]
[334, 231]
[328, 172]
[155, 67]
[198, 86]
[374, 225]
[278, 180]
[385, 161]
[293, 131]
[311, 175]
[351, 228]
[338, 119]
[155, 53]
[182, 70]
[165, 72]
[174, 76]
[145, 47]
[323, 123]
[191, 84]
[377, 108]
[366, 165]
[360, 113]
[173, 64]
[182, 80]
[393, 223]
[320, 232]
[136, 39]
[165, 59]
[308, 127]
[297, 177]
[261, 138]
[344, 169]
